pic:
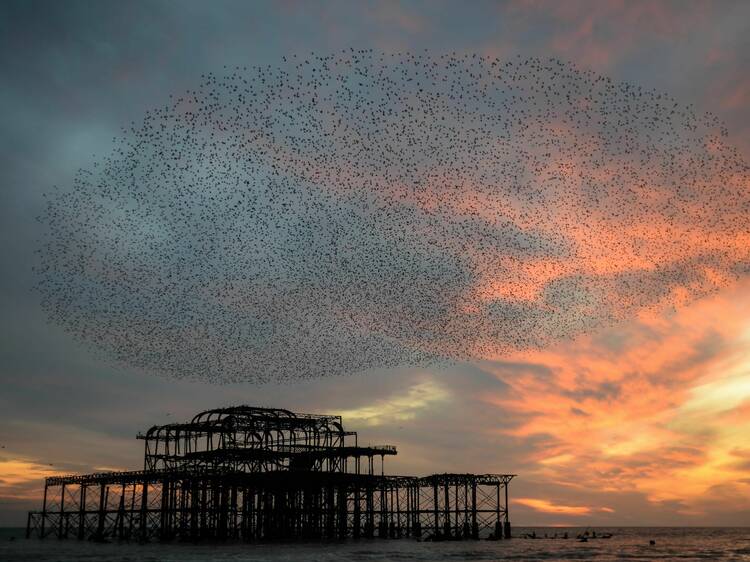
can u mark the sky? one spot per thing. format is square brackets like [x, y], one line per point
[645, 422]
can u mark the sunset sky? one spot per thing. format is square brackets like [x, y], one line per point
[646, 422]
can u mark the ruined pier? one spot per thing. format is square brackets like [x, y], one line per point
[266, 474]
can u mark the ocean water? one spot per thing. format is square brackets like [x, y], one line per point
[630, 544]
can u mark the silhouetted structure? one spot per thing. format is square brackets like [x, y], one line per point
[261, 474]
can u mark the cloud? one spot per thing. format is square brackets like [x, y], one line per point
[601, 34]
[650, 411]
[546, 506]
[22, 478]
[402, 407]
[89, 68]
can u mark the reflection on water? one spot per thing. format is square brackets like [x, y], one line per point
[632, 544]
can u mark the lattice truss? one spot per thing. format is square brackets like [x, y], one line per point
[267, 474]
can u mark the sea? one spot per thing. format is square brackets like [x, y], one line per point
[628, 543]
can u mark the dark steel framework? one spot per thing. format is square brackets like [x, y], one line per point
[262, 474]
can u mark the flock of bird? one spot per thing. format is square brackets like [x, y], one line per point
[335, 214]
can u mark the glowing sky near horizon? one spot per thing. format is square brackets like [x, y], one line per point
[642, 422]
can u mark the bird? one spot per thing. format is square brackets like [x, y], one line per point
[338, 213]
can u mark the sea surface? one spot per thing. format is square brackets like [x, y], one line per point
[630, 543]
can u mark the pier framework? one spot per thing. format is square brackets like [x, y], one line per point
[262, 474]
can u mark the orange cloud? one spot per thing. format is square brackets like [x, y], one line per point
[643, 407]
[22, 478]
[546, 506]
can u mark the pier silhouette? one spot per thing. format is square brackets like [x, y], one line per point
[267, 474]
